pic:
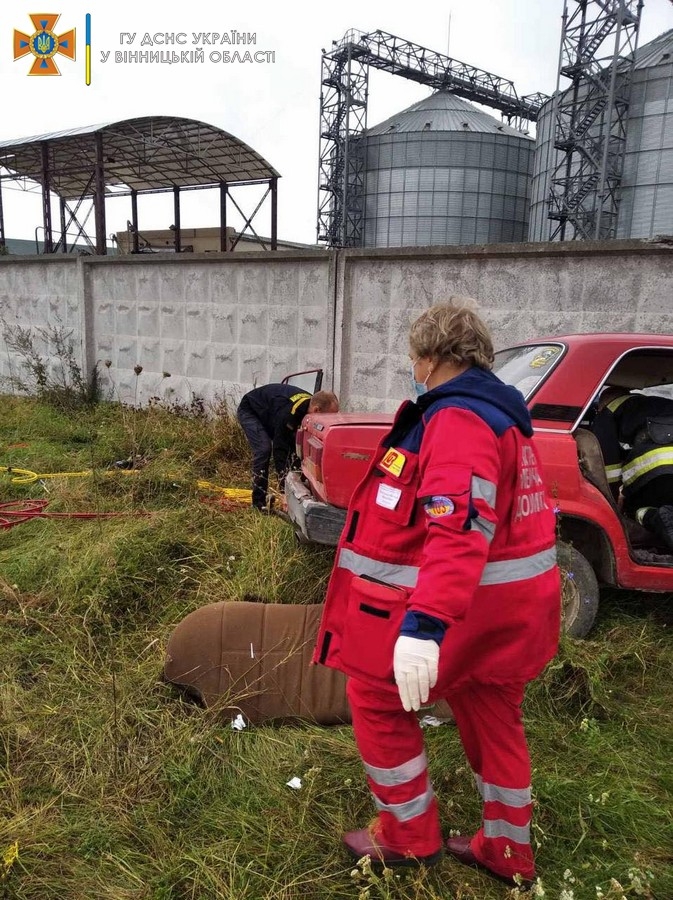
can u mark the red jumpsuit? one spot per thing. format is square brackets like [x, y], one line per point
[451, 521]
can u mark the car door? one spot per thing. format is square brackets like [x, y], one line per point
[310, 380]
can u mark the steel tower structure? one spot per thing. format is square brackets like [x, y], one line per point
[343, 116]
[598, 44]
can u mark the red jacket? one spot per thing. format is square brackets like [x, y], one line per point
[452, 521]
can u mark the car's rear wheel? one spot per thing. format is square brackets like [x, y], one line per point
[579, 591]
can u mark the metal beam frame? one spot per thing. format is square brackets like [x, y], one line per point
[46, 200]
[343, 116]
[153, 155]
[176, 219]
[598, 44]
[134, 222]
[99, 198]
[224, 246]
[2, 218]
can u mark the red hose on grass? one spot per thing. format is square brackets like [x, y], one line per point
[17, 511]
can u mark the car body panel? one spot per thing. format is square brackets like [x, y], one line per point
[336, 449]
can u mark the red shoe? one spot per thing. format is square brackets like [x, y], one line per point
[459, 848]
[362, 843]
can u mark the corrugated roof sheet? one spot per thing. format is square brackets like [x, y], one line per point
[443, 111]
[656, 52]
[140, 154]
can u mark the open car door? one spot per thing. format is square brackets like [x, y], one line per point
[309, 380]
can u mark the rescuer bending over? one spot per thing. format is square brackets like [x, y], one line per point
[270, 417]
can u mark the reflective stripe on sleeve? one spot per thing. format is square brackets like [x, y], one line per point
[514, 797]
[482, 489]
[398, 774]
[495, 828]
[507, 570]
[391, 573]
[409, 810]
[614, 473]
[641, 465]
[483, 526]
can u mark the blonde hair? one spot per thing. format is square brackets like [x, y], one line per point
[452, 332]
[324, 401]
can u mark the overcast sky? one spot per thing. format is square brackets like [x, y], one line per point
[272, 107]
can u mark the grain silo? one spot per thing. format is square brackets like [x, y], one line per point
[445, 172]
[646, 192]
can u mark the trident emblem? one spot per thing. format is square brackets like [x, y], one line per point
[44, 44]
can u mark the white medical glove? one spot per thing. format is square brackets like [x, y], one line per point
[415, 665]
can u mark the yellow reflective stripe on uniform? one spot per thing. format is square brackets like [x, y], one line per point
[398, 774]
[641, 465]
[297, 399]
[507, 570]
[391, 573]
[614, 405]
[614, 472]
[495, 828]
[409, 810]
[514, 797]
[483, 489]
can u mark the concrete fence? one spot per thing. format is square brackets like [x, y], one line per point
[219, 324]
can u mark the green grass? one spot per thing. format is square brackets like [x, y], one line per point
[115, 787]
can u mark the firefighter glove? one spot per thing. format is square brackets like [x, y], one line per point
[415, 665]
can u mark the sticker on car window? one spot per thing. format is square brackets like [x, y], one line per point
[543, 357]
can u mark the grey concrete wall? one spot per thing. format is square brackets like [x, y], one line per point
[524, 291]
[219, 325]
[40, 294]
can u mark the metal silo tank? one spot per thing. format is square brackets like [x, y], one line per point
[444, 172]
[646, 194]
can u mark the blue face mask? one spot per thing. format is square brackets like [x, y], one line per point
[418, 386]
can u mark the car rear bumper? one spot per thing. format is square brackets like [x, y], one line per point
[313, 520]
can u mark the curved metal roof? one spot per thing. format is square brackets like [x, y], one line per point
[657, 52]
[142, 154]
[443, 111]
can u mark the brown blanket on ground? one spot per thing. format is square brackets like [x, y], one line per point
[254, 659]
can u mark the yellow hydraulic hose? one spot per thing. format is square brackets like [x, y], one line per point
[25, 476]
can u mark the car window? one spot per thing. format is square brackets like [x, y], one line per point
[525, 367]
[310, 381]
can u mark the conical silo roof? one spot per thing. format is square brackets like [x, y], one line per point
[656, 52]
[443, 111]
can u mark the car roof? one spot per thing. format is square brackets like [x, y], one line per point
[630, 360]
[616, 338]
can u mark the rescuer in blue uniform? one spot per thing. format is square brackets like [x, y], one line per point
[270, 417]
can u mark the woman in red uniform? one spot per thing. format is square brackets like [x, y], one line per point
[445, 584]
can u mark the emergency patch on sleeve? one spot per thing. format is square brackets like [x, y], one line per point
[438, 506]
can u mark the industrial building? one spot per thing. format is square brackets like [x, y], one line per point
[645, 206]
[442, 172]
[445, 172]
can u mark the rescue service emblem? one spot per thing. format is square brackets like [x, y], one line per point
[393, 462]
[438, 507]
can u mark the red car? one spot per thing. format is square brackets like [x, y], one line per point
[560, 378]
